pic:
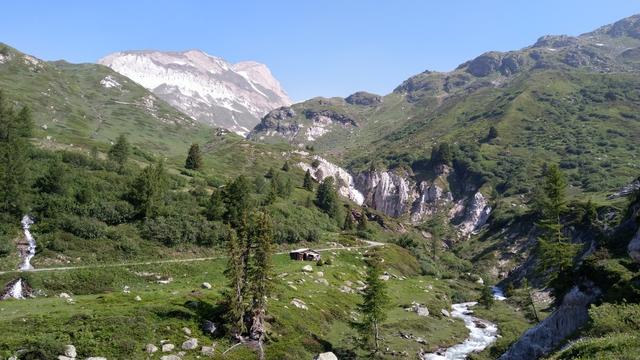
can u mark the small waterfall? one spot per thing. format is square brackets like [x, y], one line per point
[16, 290]
[31, 249]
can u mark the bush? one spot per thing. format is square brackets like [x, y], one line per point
[86, 228]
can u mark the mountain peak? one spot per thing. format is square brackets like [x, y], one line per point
[207, 88]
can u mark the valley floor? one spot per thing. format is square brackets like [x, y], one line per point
[115, 311]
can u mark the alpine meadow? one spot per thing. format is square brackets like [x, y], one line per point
[175, 205]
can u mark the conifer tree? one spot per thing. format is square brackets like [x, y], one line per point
[327, 198]
[148, 191]
[375, 301]
[272, 194]
[15, 149]
[486, 297]
[285, 166]
[234, 273]
[348, 221]
[53, 181]
[493, 133]
[259, 276]
[237, 201]
[363, 223]
[307, 183]
[554, 252]
[216, 208]
[119, 152]
[194, 158]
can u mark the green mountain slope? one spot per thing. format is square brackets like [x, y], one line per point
[566, 99]
[74, 103]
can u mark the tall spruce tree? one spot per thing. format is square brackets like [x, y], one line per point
[555, 254]
[119, 152]
[237, 201]
[375, 301]
[260, 272]
[235, 275]
[149, 189]
[15, 149]
[216, 208]
[349, 224]
[194, 158]
[327, 198]
[307, 183]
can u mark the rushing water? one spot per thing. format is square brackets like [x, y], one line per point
[481, 332]
[31, 249]
[16, 290]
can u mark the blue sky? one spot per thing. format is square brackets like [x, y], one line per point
[315, 48]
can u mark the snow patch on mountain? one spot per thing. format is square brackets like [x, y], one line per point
[205, 87]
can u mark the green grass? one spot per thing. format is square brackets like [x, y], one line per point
[104, 321]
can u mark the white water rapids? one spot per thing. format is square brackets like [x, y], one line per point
[31, 249]
[482, 333]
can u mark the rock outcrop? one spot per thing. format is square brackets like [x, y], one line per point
[564, 321]
[363, 98]
[476, 214]
[344, 181]
[385, 191]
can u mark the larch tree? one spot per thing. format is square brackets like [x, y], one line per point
[375, 302]
[555, 253]
[194, 158]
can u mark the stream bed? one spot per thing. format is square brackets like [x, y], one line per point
[482, 333]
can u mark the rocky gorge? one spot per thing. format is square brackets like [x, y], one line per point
[399, 195]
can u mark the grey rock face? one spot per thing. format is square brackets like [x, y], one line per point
[363, 98]
[333, 115]
[385, 191]
[484, 64]
[207, 88]
[555, 41]
[70, 351]
[547, 335]
[208, 327]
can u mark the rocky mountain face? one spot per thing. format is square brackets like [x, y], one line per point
[565, 320]
[307, 122]
[396, 194]
[205, 87]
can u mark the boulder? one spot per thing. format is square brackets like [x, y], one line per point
[150, 348]
[208, 351]
[170, 357]
[70, 351]
[206, 285]
[62, 357]
[299, 304]
[445, 313]
[384, 277]
[326, 356]
[419, 309]
[138, 298]
[168, 347]
[186, 331]
[96, 358]
[190, 344]
[208, 327]
[307, 268]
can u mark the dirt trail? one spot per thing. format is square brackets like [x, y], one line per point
[369, 244]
